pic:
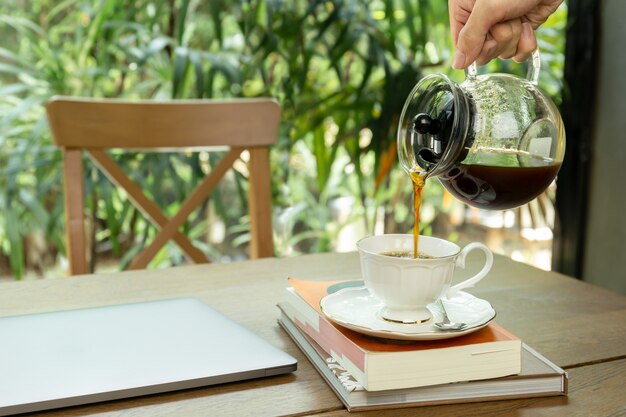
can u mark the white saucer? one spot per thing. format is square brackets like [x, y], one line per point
[357, 309]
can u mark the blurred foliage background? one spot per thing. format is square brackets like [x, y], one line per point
[340, 69]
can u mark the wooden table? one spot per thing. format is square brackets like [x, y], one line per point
[580, 327]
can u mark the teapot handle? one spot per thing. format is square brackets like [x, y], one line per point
[533, 69]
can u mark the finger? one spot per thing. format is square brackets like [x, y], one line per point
[456, 20]
[539, 14]
[488, 52]
[506, 36]
[527, 43]
[474, 34]
[508, 48]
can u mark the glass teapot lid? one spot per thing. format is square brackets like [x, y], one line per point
[435, 113]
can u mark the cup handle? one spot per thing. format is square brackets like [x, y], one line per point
[460, 261]
[533, 68]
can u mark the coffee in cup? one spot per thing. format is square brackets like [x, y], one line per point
[406, 254]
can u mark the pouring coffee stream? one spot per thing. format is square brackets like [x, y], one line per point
[494, 141]
[419, 179]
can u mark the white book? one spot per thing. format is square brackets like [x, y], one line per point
[538, 378]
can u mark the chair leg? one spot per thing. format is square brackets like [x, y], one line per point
[74, 211]
[259, 196]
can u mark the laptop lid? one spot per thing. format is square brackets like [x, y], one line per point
[64, 358]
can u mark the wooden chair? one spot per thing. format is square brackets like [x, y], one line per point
[94, 125]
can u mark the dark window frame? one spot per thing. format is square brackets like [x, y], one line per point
[577, 110]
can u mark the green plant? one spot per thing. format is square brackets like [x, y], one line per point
[80, 48]
[340, 69]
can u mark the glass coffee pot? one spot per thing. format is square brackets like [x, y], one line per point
[495, 141]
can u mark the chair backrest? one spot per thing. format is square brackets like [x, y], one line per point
[93, 125]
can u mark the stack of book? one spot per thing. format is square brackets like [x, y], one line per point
[370, 373]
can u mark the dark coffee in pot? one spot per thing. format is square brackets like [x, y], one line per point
[500, 187]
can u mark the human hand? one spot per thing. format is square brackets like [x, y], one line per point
[486, 29]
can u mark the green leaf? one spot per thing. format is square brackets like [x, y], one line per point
[180, 20]
[321, 158]
[22, 25]
[216, 9]
[95, 30]
[16, 246]
[180, 68]
[8, 55]
[199, 73]
[15, 70]
[37, 209]
[64, 7]
[14, 89]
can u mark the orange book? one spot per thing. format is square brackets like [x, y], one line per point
[380, 364]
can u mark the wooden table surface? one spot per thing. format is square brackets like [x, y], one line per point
[580, 327]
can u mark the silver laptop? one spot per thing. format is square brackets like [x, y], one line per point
[65, 358]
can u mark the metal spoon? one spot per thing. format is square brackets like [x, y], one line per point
[445, 324]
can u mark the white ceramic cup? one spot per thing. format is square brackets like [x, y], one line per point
[406, 285]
